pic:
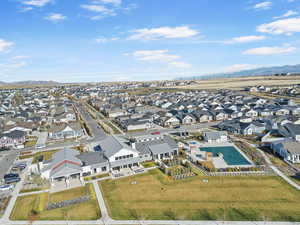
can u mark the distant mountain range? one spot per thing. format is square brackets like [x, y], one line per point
[29, 82]
[264, 71]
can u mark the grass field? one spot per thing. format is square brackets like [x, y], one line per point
[89, 210]
[154, 196]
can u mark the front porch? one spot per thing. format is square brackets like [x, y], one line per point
[66, 182]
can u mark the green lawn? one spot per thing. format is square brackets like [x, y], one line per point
[155, 196]
[89, 210]
[148, 164]
[96, 177]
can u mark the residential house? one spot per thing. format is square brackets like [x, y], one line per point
[288, 150]
[215, 137]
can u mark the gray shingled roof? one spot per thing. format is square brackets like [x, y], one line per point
[144, 147]
[66, 169]
[295, 128]
[92, 158]
[214, 135]
[292, 147]
[160, 148]
[111, 145]
[65, 154]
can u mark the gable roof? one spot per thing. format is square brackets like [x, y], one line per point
[164, 144]
[111, 145]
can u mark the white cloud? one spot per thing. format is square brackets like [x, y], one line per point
[287, 14]
[283, 26]
[113, 2]
[179, 64]
[5, 45]
[161, 56]
[239, 67]
[245, 39]
[270, 50]
[37, 3]
[163, 32]
[98, 9]
[103, 40]
[263, 5]
[155, 55]
[55, 17]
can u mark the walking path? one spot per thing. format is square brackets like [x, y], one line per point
[276, 170]
[101, 202]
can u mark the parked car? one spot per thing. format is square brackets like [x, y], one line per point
[11, 178]
[176, 127]
[155, 133]
[6, 187]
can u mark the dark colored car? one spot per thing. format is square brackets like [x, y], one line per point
[11, 178]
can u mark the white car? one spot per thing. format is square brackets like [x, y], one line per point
[6, 187]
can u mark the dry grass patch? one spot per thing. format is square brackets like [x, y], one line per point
[154, 196]
[239, 82]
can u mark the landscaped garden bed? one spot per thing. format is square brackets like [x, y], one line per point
[177, 168]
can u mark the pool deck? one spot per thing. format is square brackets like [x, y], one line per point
[220, 162]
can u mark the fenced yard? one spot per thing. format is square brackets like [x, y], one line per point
[156, 196]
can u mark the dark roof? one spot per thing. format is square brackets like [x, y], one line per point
[294, 128]
[14, 134]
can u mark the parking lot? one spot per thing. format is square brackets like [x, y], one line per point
[6, 161]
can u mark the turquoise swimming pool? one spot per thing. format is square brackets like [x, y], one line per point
[230, 154]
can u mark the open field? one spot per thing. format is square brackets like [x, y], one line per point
[26, 205]
[240, 82]
[155, 196]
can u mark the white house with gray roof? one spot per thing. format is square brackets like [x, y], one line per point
[115, 154]
[215, 137]
[69, 163]
[288, 150]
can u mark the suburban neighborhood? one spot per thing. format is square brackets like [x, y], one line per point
[62, 148]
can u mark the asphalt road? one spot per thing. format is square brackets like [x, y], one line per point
[6, 162]
[97, 131]
[183, 128]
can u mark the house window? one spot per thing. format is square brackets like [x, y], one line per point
[131, 155]
[103, 168]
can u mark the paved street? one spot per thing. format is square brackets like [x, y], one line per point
[97, 131]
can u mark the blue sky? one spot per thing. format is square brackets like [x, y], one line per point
[119, 40]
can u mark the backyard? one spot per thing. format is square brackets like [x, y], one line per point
[156, 196]
[29, 205]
